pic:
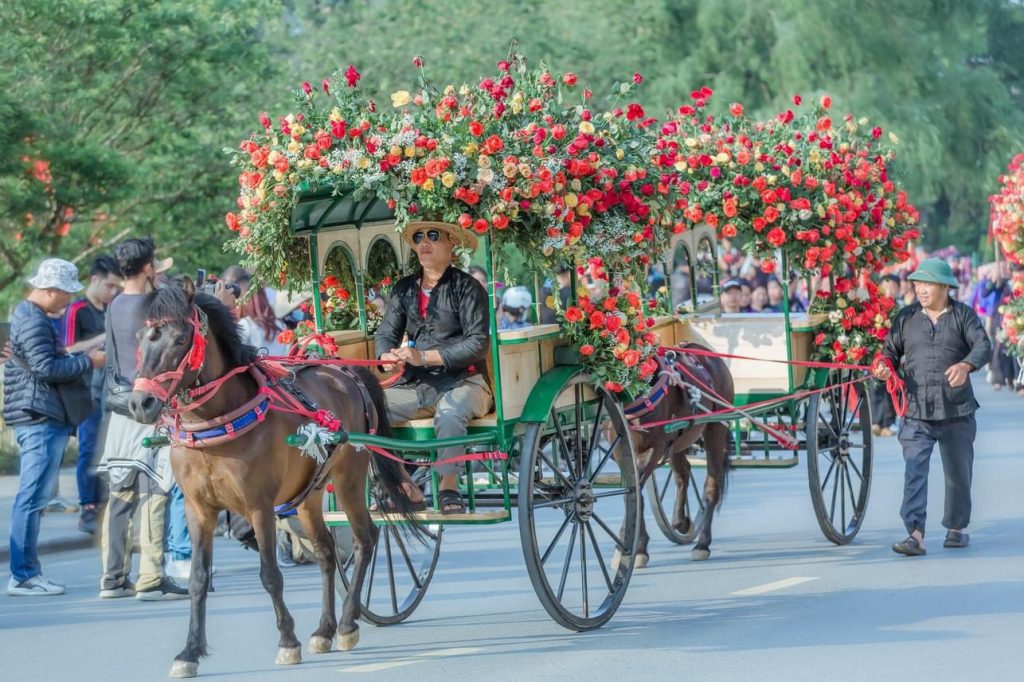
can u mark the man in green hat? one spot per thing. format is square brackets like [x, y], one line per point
[940, 341]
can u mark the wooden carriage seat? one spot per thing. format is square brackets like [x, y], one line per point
[759, 335]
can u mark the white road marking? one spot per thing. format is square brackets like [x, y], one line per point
[771, 587]
[464, 651]
[377, 667]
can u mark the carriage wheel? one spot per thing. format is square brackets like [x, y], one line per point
[577, 485]
[400, 570]
[839, 457]
[661, 491]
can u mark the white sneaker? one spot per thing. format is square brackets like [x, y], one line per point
[36, 586]
[179, 569]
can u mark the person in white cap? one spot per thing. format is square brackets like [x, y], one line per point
[515, 306]
[33, 406]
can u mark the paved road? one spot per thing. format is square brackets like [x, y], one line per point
[776, 602]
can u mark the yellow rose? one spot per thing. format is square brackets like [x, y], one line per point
[722, 157]
[691, 142]
[619, 154]
[363, 163]
[571, 200]
[298, 129]
[583, 209]
[400, 98]
[278, 175]
[410, 152]
[428, 184]
[525, 170]
[336, 115]
[448, 179]
[395, 150]
[470, 149]
[510, 170]
[586, 127]
[294, 146]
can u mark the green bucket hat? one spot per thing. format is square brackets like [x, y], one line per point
[934, 270]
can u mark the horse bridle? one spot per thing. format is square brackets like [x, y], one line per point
[167, 384]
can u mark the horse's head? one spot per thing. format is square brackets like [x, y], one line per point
[172, 350]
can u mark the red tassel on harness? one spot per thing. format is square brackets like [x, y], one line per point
[197, 354]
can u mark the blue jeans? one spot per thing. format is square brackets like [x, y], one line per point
[179, 543]
[88, 482]
[42, 448]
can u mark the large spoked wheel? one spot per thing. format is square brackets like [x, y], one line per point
[401, 568]
[662, 491]
[839, 457]
[577, 488]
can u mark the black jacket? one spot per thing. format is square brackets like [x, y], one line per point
[928, 350]
[457, 326]
[30, 394]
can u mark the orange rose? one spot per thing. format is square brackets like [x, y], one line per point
[586, 350]
[573, 314]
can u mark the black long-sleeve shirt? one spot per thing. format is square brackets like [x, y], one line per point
[928, 349]
[457, 326]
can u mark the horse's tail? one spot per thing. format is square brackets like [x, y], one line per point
[387, 471]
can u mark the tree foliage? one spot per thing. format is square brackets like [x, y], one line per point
[125, 106]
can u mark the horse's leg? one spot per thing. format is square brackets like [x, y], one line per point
[263, 523]
[201, 522]
[681, 470]
[311, 516]
[716, 446]
[642, 557]
[349, 485]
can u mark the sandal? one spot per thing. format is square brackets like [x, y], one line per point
[450, 502]
[956, 538]
[909, 547]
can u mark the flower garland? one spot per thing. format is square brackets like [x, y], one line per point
[1006, 211]
[525, 157]
[856, 322]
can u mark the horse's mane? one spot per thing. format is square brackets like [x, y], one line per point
[170, 303]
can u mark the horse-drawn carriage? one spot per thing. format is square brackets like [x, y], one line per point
[568, 467]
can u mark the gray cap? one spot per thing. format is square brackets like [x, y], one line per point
[732, 284]
[55, 273]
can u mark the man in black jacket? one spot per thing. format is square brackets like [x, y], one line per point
[444, 312]
[32, 405]
[940, 342]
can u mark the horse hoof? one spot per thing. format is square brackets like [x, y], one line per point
[288, 655]
[184, 669]
[641, 561]
[318, 645]
[700, 554]
[348, 640]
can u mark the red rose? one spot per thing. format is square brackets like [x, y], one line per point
[494, 144]
[596, 319]
[630, 358]
[736, 109]
[586, 350]
[476, 128]
[573, 314]
[776, 237]
[569, 79]
[232, 221]
[729, 230]
[612, 323]
[638, 79]
[307, 88]
[352, 76]
[613, 386]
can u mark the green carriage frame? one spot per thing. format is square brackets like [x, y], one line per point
[560, 392]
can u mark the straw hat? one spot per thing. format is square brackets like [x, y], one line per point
[459, 237]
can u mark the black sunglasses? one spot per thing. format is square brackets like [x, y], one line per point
[432, 235]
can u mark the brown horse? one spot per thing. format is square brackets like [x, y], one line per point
[686, 394]
[252, 470]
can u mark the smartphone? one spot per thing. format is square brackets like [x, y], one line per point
[5, 334]
[200, 278]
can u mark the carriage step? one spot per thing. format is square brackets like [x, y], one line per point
[601, 480]
[340, 518]
[759, 462]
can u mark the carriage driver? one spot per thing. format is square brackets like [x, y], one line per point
[444, 311]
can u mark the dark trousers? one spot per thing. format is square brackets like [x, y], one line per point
[956, 445]
[883, 414]
[88, 482]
